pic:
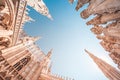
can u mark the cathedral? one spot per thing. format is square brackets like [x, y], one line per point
[106, 27]
[22, 59]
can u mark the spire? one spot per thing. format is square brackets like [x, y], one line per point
[49, 69]
[40, 7]
[46, 59]
[110, 72]
[49, 53]
[50, 17]
[90, 54]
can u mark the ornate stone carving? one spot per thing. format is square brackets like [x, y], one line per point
[102, 19]
[4, 21]
[4, 41]
[97, 29]
[2, 5]
[101, 7]
[80, 3]
[107, 14]
[112, 30]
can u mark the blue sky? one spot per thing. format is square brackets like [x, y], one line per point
[68, 35]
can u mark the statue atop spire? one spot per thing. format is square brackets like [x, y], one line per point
[49, 69]
[49, 54]
[35, 38]
[110, 72]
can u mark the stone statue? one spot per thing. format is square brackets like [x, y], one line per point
[97, 29]
[108, 39]
[100, 7]
[116, 58]
[110, 47]
[4, 41]
[102, 19]
[4, 20]
[112, 31]
[113, 57]
[80, 3]
[2, 5]
[115, 48]
[104, 45]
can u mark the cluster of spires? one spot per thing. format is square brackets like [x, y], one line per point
[106, 28]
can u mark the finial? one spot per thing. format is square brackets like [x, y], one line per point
[49, 70]
[90, 54]
[49, 53]
[87, 51]
[35, 38]
[50, 17]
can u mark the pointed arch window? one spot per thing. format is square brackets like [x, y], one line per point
[20, 64]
